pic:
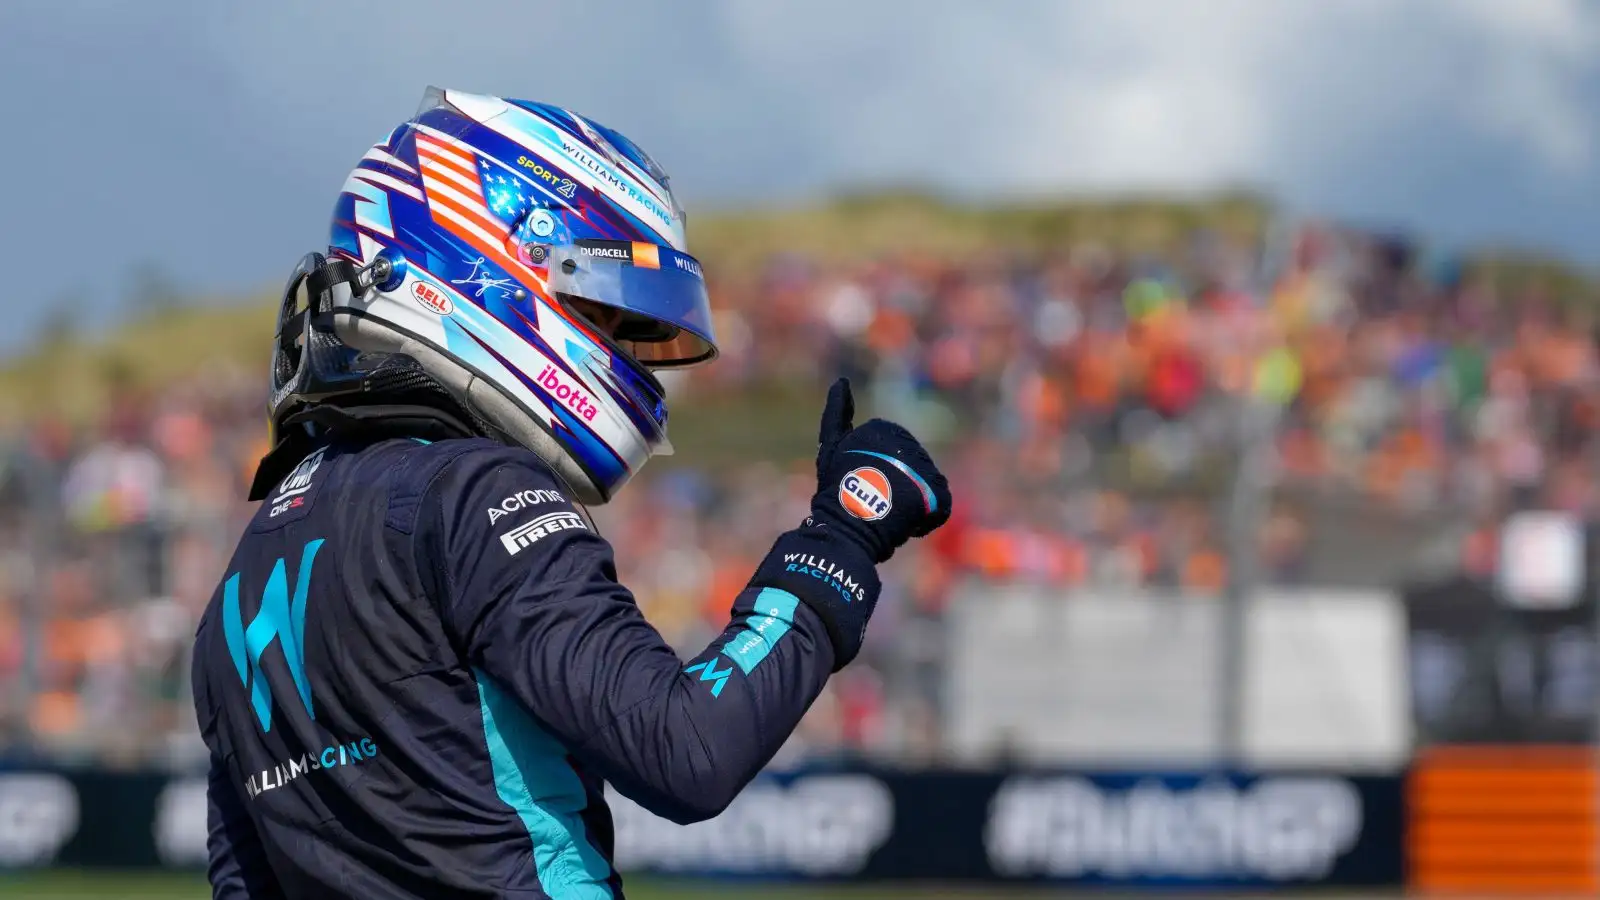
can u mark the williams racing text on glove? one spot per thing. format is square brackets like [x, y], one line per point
[877, 488]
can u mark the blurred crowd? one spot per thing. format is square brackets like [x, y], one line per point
[1096, 411]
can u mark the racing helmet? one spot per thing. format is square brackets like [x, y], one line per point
[483, 242]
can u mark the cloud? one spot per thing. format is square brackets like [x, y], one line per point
[210, 137]
[775, 97]
[1179, 94]
[1531, 78]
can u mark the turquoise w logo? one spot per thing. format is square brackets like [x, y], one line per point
[708, 672]
[279, 619]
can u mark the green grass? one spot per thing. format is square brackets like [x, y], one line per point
[73, 885]
[143, 886]
[95, 886]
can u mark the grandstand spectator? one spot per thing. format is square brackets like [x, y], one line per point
[1090, 401]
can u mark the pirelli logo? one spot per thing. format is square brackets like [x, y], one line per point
[535, 531]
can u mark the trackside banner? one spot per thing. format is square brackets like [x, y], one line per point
[1131, 829]
[1156, 829]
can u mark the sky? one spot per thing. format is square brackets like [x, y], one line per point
[207, 140]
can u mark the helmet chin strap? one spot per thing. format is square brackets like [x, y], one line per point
[323, 385]
[396, 399]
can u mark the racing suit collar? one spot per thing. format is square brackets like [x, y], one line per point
[323, 423]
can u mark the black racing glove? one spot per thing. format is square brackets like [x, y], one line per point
[876, 489]
[875, 484]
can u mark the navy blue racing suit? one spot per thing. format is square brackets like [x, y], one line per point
[420, 669]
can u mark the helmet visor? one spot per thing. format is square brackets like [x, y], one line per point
[662, 293]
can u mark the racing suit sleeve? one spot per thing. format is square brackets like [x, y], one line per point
[238, 862]
[529, 594]
[238, 865]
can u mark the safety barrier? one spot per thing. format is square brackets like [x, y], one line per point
[1136, 829]
[1480, 821]
[1506, 820]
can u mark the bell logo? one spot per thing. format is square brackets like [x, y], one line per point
[431, 298]
[864, 493]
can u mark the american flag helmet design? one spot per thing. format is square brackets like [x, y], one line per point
[498, 214]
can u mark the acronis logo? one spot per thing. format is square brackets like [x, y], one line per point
[281, 619]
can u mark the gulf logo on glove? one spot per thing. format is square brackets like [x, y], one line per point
[864, 493]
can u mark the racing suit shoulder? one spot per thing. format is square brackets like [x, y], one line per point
[529, 593]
